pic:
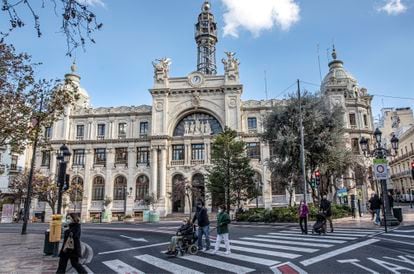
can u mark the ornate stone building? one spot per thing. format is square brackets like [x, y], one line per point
[126, 153]
[342, 89]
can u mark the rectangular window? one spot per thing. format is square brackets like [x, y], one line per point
[143, 155]
[45, 158]
[101, 131]
[352, 119]
[100, 156]
[365, 120]
[252, 123]
[197, 152]
[48, 133]
[355, 145]
[253, 150]
[80, 132]
[143, 129]
[121, 155]
[78, 157]
[178, 152]
[122, 130]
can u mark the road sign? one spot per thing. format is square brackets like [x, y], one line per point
[381, 168]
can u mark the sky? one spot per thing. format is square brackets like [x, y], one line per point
[374, 38]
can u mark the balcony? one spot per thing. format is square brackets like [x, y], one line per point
[75, 206]
[139, 205]
[96, 205]
[100, 137]
[121, 136]
[15, 169]
[118, 205]
[177, 162]
[405, 173]
[79, 138]
[197, 162]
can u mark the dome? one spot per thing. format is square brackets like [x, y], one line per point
[337, 74]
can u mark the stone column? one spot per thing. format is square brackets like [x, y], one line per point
[266, 178]
[131, 182]
[163, 171]
[87, 186]
[109, 182]
[154, 171]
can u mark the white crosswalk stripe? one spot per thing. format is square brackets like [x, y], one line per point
[254, 252]
[166, 265]
[285, 242]
[120, 267]
[276, 246]
[218, 264]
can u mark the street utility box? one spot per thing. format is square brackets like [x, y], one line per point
[48, 246]
[397, 211]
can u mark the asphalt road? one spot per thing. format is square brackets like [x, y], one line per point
[137, 248]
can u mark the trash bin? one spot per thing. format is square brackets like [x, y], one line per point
[154, 217]
[48, 246]
[397, 211]
[146, 216]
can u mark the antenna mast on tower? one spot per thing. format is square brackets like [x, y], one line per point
[206, 38]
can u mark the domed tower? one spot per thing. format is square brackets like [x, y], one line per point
[206, 38]
[73, 78]
[341, 88]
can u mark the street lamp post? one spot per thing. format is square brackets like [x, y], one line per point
[380, 152]
[63, 159]
[126, 196]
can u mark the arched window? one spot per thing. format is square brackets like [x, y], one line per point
[178, 195]
[198, 124]
[198, 189]
[76, 192]
[98, 188]
[120, 186]
[142, 187]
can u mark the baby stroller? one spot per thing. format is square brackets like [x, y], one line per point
[187, 244]
[320, 226]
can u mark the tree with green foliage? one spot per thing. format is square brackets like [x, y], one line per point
[230, 178]
[323, 136]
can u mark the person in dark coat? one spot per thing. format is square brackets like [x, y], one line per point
[186, 229]
[375, 205]
[325, 208]
[203, 225]
[71, 254]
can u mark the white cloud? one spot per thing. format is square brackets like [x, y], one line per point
[258, 15]
[92, 2]
[393, 7]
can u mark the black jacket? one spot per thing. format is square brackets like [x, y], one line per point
[185, 229]
[75, 229]
[375, 203]
[202, 217]
[326, 207]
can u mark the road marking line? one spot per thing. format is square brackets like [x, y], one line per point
[338, 234]
[399, 235]
[287, 267]
[337, 252]
[250, 259]
[130, 229]
[134, 239]
[264, 252]
[358, 232]
[395, 241]
[320, 240]
[355, 263]
[404, 231]
[132, 248]
[121, 268]
[314, 236]
[286, 242]
[275, 246]
[166, 265]
[218, 264]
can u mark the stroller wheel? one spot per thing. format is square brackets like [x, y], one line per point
[193, 249]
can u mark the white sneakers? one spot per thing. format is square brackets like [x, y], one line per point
[228, 252]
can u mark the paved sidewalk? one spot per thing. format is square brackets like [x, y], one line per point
[24, 254]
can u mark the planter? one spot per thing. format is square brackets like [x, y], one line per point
[146, 216]
[154, 217]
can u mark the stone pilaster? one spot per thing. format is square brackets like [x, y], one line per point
[154, 171]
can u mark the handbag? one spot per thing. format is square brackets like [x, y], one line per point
[69, 244]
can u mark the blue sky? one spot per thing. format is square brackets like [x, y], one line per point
[375, 41]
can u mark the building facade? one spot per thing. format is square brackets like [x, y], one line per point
[122, 154]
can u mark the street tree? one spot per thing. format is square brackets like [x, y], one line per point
[230, 178]
[323, 127]
[75, 193]
[78, 21]
[27, 105]
[18, 187]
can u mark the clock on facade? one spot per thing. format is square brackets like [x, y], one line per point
[195, 80]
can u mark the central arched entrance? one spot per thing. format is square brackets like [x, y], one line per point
[198, 189]
[178, 194]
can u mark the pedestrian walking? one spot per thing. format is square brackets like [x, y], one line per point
[325, 208]
[71, 248]
[203, 226]
[303, 216]
[375, 205]
[223, 220]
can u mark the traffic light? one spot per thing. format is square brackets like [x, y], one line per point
[318, 177]
[312, 183]
[66, 183]
[412, 170]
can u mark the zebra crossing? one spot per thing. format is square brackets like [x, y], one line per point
[249, 254]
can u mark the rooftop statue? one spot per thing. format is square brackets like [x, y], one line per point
[231, 66]
[161, 70]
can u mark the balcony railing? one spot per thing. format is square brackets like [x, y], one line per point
[177, 162]
[79, 138]
[405, 173]
[96, 205]
[118, 205]
[101, 137]
[197, 162]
